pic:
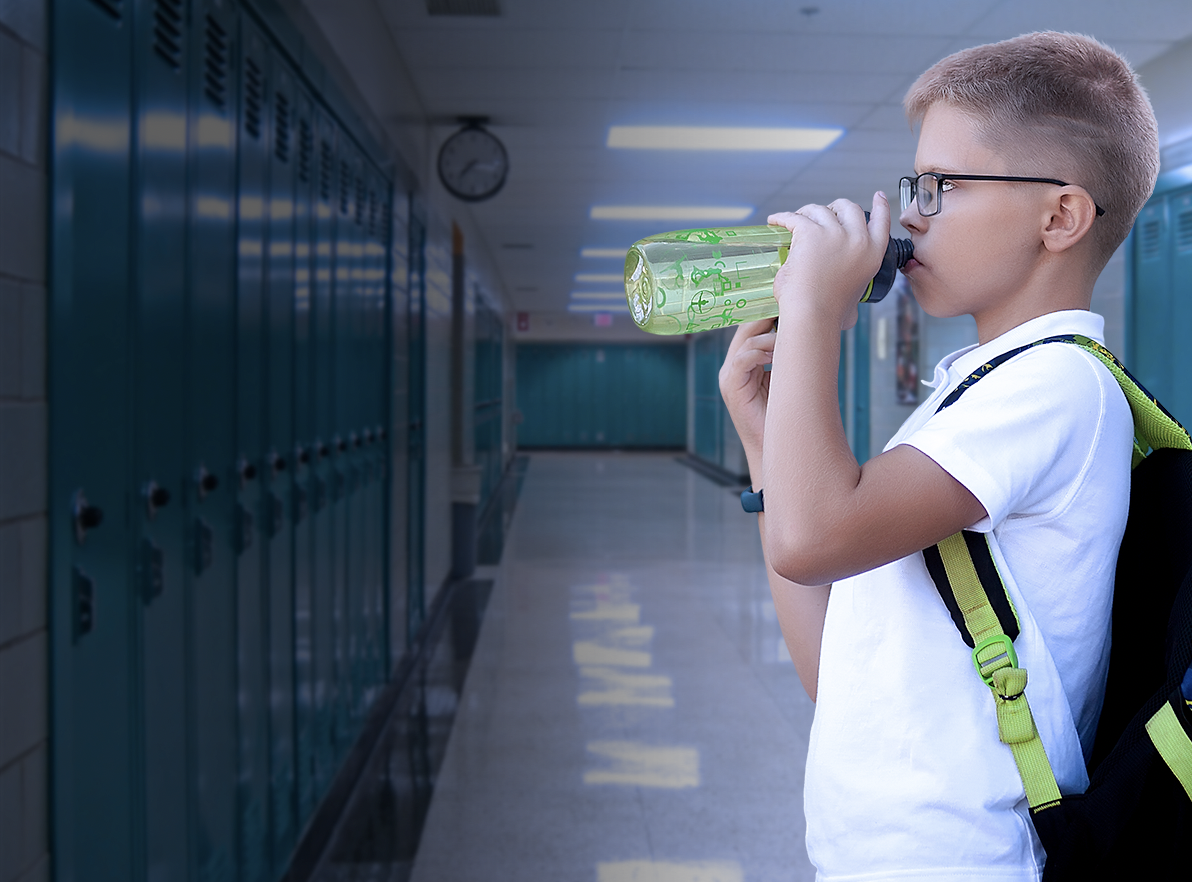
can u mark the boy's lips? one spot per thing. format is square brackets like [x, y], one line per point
[910, 265]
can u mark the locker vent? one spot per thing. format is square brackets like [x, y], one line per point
[254, 94]
[215, 64]
[281, 128]
[167, 31]
[345, 187]
[463, 7]
[360, 196]
[1151, 239]
[326, 170]
[111, 7]
[372, 212]
[1183, 231]
[306, 146]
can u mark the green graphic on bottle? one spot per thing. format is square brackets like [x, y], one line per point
[699, 280]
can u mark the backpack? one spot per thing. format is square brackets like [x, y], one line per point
[1135, 818]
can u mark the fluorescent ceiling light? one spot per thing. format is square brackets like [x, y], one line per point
[671, 212]
[720, 138]
[618, 253]
[599, 277]
[598, 295]
[598, 307]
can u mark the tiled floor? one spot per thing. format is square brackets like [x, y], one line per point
[630, 712]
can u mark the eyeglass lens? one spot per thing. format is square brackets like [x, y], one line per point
[922, 190]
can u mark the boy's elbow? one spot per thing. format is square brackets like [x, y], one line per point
[802, 560]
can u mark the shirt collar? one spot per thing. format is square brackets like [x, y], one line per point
[963, 362]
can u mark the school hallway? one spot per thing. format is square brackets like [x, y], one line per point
[630, 712]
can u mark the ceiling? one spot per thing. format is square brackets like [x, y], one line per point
[553, 75]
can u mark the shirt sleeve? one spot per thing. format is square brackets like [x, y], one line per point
[1022, 439]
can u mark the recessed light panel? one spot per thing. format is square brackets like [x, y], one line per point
[707, 213]
[598, 307]
[618, 253]
[599, 277]
[598, 295]
[721, 138]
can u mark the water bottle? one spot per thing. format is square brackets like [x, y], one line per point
[700, 280]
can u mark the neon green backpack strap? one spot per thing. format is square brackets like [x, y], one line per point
[966, 577]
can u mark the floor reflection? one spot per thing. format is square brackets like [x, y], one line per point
[378, 836]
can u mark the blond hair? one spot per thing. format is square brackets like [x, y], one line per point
[1060, 105]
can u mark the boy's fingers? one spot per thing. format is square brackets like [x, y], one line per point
[746, 330]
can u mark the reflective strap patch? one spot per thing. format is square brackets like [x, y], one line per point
[1173, 745]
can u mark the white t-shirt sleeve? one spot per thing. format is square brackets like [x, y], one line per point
[1022, 439]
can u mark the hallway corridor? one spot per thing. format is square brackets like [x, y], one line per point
[631, 712]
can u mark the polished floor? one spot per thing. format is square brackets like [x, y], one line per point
[630, 713]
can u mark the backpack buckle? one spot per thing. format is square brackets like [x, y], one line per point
[986, 663]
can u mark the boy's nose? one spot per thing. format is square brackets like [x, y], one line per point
[911, 219]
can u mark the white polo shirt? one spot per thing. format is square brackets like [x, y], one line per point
[906, 777]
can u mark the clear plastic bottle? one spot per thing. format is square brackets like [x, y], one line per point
[700, 280]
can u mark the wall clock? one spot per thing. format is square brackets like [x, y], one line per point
[473, 163]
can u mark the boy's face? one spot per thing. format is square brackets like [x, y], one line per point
[976, 254]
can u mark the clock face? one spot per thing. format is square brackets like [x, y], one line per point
[473, 164]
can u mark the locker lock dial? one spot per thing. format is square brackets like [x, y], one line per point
[324, 451]
[205, 482]
[156, 497]
[277, 463]
[86, 516]
[247, 472]
[303, 455]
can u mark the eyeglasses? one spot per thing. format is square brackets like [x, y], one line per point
[926, 190]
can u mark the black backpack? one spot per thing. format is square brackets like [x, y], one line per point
[1135, 819]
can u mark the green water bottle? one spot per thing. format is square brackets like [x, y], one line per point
[700, 280]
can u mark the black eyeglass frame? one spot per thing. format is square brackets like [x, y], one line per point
[914, 188]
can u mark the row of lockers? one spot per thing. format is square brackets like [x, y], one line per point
[593, 396]
[230, 275]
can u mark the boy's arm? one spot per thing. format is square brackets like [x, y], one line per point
[827, 517]
[744, 384]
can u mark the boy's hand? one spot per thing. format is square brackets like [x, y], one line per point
[833, 255]
[745, 383]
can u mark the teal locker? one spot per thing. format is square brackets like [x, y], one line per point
[324, 606]
[1161, 305]
[348, 375]
[341, 346]
[211, 437]
[280, 468]
[92, 615]
[374, 465]
[397, 368]
[416, 426]
[1180, 372]
[157, 491]
[305, 721]
[253, 790]
[1150, 343]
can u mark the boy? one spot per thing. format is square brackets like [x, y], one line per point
[906, 777]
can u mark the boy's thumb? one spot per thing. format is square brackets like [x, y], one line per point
[879, 218]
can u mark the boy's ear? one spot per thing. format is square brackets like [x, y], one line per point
[1072, 215]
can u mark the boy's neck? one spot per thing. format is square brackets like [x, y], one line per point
[1056, 288]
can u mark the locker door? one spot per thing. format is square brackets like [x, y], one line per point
[1150, 343]
[416, 428]
[1180, 399]
[305, 722]
[251, 656]
[94, 750]
[353, 384]
[210, 563]
[373, 464]
[158, 491]
[398, 419]
[324, 608]
[340, 395]
[280, 466]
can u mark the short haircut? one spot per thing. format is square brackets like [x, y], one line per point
[1060, 105]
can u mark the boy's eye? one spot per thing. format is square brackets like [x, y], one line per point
[946, 185]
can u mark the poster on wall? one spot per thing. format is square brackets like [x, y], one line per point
[906, 348]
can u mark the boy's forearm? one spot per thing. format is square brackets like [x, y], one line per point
[809, 471]
[801, 610]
